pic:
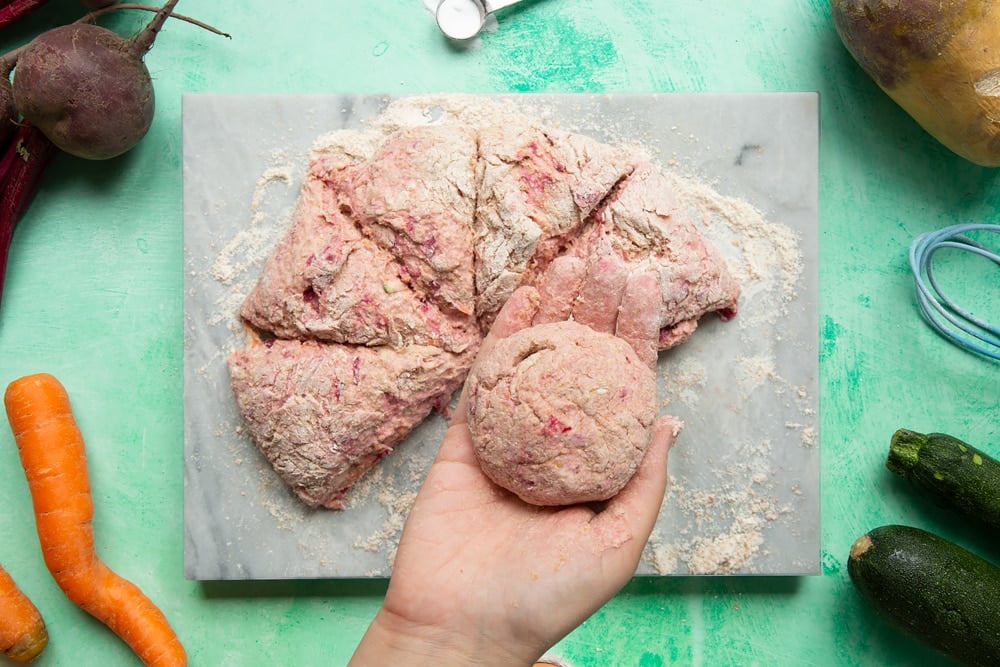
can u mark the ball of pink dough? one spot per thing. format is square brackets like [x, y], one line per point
[561, 414]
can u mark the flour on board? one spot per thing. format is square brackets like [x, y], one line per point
[727, 516]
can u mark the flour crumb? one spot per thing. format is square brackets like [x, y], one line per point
[724, 526]
[727, 552]
[753, 372]
[761, 253]
[685, 383]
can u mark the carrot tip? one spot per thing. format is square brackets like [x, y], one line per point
[30, 644]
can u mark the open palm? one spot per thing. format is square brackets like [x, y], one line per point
[479, 566]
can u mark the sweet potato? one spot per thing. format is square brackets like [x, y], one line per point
[938, 59]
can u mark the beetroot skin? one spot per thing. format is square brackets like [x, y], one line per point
[85, 88]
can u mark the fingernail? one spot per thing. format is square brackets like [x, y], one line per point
[669, 427]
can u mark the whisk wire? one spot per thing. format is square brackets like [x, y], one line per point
[940, 311]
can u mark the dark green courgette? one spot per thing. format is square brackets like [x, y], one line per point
[953, 473]
[934, 589]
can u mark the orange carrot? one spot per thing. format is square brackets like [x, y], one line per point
[55, 463]
[22, 630]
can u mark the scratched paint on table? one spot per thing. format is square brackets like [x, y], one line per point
[561, 53]
[572, 59]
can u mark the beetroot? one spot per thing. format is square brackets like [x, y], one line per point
[79, 88]
[22, 165]
[87, 88]
[12, 11]
[8, 112]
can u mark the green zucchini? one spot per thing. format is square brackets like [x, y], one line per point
[932, 588]
[953, 473]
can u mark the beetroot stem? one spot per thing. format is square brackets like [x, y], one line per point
[12, 11]
[9, 59]
[21, 169]
[143, 41]
[146, 8]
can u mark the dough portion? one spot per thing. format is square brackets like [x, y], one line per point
[561, 414]
[378, 252]
[406, 241]
[537, 188]
[323, 415]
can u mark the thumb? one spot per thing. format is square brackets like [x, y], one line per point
[634, 510]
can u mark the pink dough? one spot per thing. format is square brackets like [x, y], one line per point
[404, 245]
[561, 414]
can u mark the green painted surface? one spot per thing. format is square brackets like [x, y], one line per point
[94, 297]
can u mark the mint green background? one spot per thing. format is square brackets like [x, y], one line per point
[94, 296]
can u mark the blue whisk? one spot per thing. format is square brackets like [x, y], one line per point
[943, 314]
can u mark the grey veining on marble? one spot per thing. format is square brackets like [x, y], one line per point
[745, 470]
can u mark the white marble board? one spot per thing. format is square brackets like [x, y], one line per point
[744, 492]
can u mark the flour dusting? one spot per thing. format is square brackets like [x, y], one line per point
[726, 506]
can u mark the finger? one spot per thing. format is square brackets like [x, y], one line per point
[639, 316]
[515, 315]
[456, 446]
[601, 295]
[558, 288]
[456, 453]
[628, 519]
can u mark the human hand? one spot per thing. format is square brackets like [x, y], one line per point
[480, 577]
